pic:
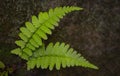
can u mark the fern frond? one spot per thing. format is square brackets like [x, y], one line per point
[32, 35]
[58, 55]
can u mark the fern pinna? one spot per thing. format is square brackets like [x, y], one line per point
[31, 46]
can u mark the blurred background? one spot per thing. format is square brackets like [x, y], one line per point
[94, 32]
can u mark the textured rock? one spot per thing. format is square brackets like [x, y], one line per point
[94, 32]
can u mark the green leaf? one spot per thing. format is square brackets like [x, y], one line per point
[34, 43]
[2, 66]
[49, 25]
[49, 48]
[6, 73]
[58, 63]
[59, 12]
[26, 32]
[29, 45]
[27, 51]
[37, 39]
[23, 37]
[20, 43]
[46, 16]
[24, 56]
[30, 26]
[17, 51]
[53, 22]
[38, 62]
[31, 64]
[46, 30]
[35, 21]
[51, 12]
[42, 34]
[41, 17]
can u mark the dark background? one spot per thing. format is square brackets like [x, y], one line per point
[93, 32]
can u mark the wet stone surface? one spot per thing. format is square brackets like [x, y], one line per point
[93, 32]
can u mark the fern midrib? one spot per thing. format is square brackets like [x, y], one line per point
[60, 56]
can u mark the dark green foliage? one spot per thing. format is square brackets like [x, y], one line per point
[2, 65]
[32, 49]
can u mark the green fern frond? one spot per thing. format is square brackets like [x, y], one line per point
[32, 35]
[32, 49]
[58, 55]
